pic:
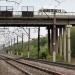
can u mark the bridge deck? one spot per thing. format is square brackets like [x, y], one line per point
[37, 20]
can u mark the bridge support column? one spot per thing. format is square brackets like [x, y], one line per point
[17, 47]
[64, 43]
[11, 46]
[69, 43]
[49, 40]
[21, 53]
[60, 41]
[11, 52]
[38, 42]
[57, 39]
[29, 43]
[54, 43]
[17, 53]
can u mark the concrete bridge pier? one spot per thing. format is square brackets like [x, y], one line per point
[17, 46]
[51, 41]
[57, 41]
[64, 44]
[51, 47]
[21, 53]
[54, 43]
[60, 42]
[69, 43]
[48, 28]
[11, 52]
[17, 53]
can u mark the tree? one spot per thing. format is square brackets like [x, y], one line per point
[73, 41]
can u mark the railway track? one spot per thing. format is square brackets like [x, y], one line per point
[67, 66]
[13, 65]
[27, 68]
[63, 69]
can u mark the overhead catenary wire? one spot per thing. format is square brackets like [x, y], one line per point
[11, 1]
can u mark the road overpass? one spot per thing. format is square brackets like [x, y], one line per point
[64, 21]
[38, 20]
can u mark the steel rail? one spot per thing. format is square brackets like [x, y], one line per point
[59, 64]
[6, 60]
[31, 66]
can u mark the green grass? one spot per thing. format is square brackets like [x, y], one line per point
[73, 61]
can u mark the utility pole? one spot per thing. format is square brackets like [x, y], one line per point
[48, 28]
[17, 40]
[54, 37]
[11, 46]
[14, 43]
[22, 45]
[22, 40]
[54, 32]
[11, 42]
[28, 43]
[38, 42]
[17, 45]
[14, 40]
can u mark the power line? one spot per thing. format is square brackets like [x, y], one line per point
[11, 1]
[57, 1]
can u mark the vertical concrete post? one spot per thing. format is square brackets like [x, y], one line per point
[48, 39]
[38, 42]
[29, 43]
[54, 44]
[57, 41]
[22, 45]
[51, 36]
[14, 42]
[60, 41]
[17, 53]
[17, 47]
[54, 37]
[64, 43]
[8, 52]
[11, 46]
[22, 40]
[69, 43]
[21, 53]
[11, 52]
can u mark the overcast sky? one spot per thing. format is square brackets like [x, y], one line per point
[68, 5]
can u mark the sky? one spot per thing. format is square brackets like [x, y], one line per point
[68, 5]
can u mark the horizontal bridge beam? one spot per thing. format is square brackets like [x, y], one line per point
[35, 21]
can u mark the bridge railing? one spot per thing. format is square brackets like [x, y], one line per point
[6, 8]
[50, 13]
[67, 13]
[27, 11]
[36, 13]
